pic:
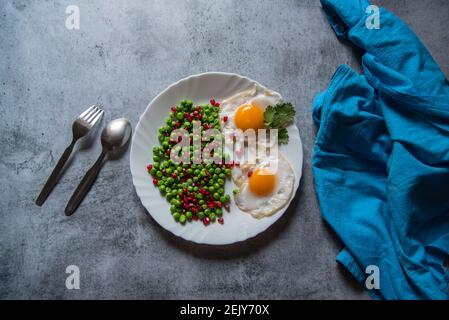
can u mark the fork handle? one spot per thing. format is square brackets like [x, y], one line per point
[85, 185]
[54, 177]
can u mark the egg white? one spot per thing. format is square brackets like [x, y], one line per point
[256, 95]
[265, 206]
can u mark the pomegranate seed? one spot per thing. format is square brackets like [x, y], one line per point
[174, 175]
[225, 118]
[212, 102]
[250, 173]
[200, 116]
[167, 152]
[220, 220]
[173, 109]
[226, 206]
[217, 104]
[155, 181]
[149, 167]
[206, 221]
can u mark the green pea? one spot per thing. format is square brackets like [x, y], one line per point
[182, 218]
[218, 211]
[222, 199]
[156, 158]
[189, 215]
[200, 214]
[159, 174]
[220, 181]
[216, 196]
[235, 191]
[162, 188]
[227, 198]
[212, 216]
[211, 189]
[179, 116]
[222, 176]
[176, 216]
[153, 171]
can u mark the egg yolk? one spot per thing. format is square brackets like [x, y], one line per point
[262, 182]
[249, 116]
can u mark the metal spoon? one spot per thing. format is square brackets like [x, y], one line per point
[114, 136]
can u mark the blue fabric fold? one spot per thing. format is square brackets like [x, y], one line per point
[381, 157]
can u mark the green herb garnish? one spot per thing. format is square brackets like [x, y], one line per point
[280, 117]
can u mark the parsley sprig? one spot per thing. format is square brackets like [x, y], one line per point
[280, 117]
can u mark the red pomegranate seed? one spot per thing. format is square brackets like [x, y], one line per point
[225, 118]
[173, 109]
[206, 221]
[226, 206]
[212, 102]
[250, 173]
[168, 152]
[220, 220]
[155, 181]
[149, 167]
[200, 116]
[217, 104]
[195, 217]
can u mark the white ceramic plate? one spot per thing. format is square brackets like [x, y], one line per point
[200, 88]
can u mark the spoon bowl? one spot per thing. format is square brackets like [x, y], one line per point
[116, 134]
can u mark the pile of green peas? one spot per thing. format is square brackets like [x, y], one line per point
[195, 191]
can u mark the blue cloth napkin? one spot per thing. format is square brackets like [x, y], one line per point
[381, 157]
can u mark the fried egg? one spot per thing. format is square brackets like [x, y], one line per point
[264, 187]
[245, 110]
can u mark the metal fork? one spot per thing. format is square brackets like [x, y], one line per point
[81, 126]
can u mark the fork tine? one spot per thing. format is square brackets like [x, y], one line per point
[89, 114]
[82, 115]
[97, 117]
[92, 115]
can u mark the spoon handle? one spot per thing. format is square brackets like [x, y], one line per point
[85, 184]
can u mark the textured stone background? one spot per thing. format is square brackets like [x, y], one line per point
[125, 53]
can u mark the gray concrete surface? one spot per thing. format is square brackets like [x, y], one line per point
[124, 54]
